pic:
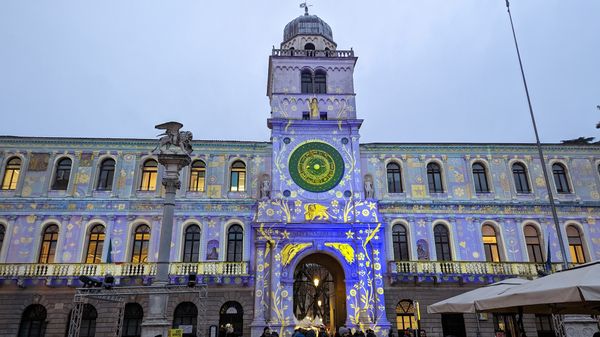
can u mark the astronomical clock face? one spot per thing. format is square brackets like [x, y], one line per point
[316, 166]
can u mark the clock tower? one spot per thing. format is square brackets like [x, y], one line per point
[318, 238]
[313, 122]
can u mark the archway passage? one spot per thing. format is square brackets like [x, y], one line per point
[320, 290]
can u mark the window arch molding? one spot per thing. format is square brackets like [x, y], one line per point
[98, 171]
[400, 164]
[84, 239]
[567, 170]
[582, 234]
[541, 233]
[450, 230]
[233, 161]
[131, 227]
[55, 163]
[499, 237]
[22, 167]
[223, 243]
[40, 240]
[442, 174]
[525, 164]
[189, 172]
[390, 238]
[488, 175]
[140, 170]
[203, 241]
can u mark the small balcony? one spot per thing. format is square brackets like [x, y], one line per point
[464, 271]
[313, 53]
[119, 270]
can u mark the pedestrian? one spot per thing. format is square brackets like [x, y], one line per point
[266, 332]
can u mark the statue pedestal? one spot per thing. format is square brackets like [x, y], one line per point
[156, 322]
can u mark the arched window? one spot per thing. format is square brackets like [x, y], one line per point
[400, 243]
[149, 175]
[533, 242]
[490, 243]
[520, 176]
[63, 172]
[560, 178]
[442, 243]
[48, 247]
[232, 313]
[235, 243]
[106, 175]
[405, 316]
[33, 321]
[186, 313]
[11, 174]
[191, 246]
[306, 83]
[320, 82]
[480, 178]
[141, 241]
[575, 244]
[394, 179]
[2, 234]
[197, 176]
[95, 245]
[87, 327]
[434, 178]
[238, 177]
[132, 320]
[309, 46]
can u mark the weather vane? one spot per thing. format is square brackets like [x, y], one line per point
[305, 5]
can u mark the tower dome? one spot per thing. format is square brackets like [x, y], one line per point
[308, 32]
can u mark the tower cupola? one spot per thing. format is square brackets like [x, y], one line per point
[308, 32]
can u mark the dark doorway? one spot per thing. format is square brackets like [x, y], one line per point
[232, 313]
[319, 290]
[453, 325]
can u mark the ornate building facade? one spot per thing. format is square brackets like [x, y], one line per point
[311, 225]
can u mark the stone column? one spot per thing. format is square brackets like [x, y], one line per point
[260, 290]
[157, 323]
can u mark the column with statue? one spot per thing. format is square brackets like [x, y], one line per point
[173, 152]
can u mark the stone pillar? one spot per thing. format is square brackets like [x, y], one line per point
[156, 322]
[260, 290]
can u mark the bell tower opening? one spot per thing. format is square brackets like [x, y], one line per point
[320, 291]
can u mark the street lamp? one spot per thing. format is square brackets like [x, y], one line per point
[316, 282]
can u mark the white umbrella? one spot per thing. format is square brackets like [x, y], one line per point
[465, 302]
[572, 291]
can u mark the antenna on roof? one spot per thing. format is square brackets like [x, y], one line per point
[305, 5]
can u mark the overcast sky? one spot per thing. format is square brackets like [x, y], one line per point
[428, 70]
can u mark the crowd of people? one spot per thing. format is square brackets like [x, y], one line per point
[341, 332]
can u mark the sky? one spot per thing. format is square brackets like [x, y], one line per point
[427, 70]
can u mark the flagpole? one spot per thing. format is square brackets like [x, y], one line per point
[561, 243]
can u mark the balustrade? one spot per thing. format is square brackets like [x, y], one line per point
[10, 270]
[312, 53]
[518, 269]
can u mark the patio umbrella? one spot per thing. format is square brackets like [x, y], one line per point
[572, 291]
[465, 302]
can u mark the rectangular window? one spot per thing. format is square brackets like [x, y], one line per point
[305, 115]
[323, 115]
[148, 180]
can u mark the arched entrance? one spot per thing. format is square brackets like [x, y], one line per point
[320, 290]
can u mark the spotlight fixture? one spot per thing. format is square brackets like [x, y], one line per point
[109, 281]
[89, 282]
[192, 279]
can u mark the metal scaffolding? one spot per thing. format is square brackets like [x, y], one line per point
[119, 295]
